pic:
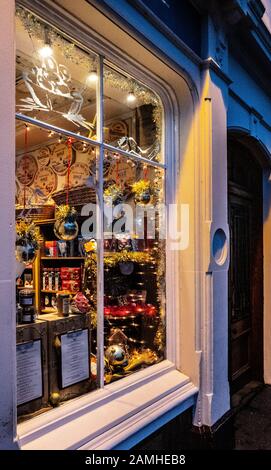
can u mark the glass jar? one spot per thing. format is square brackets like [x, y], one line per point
[27, 298]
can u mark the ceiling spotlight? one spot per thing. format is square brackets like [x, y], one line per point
[92, 76]
[60, 139]
[131, 97]
[46, 51]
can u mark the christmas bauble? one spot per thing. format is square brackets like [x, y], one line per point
[25, 253]
[54, 399]
[143, 198]
[66, 229]
[116, 355]
[126, 267]
[20, 267]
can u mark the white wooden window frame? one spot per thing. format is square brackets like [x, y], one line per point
[104, 418]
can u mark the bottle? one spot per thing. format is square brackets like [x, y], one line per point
[57, 279]
[28, 315]
[44, 279]
[63, 304]
[50, 280]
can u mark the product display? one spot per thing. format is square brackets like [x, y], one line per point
[90, 245]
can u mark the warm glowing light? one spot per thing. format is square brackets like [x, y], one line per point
[46, 51]
[131, 97]
[92, 77]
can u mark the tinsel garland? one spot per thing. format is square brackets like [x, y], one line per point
[140, 186]
[36, 29]
[113, 192]
[77, 56]
[118, 257]
[142, 93]
[27, 232]
[64, 211]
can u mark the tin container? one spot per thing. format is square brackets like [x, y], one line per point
[27, 298]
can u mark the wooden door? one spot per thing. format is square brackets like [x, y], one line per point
[246, 267]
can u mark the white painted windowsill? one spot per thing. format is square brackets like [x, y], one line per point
[104, 418]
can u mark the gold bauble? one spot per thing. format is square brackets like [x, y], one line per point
[54, 399]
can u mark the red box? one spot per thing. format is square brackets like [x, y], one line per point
[68, 274]
[51, 248]
[72, 286]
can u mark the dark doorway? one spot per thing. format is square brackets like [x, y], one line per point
[246, 267]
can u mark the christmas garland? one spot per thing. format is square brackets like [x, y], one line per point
[64, 211]
[113, 193]
[141, 186]
[27, 233]
[118, 257]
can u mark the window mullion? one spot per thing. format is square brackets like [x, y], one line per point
[100, 230]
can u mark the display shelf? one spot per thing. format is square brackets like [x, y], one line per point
[62, 258]
[44, 291]
[45, 221]
[45, 311]
[25, 287]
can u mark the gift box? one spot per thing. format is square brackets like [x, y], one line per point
[71, 285]
[69, 274]
[51, 248]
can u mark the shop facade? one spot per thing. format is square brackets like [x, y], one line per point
[164, 325]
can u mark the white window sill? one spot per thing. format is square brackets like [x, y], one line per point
[104, 418]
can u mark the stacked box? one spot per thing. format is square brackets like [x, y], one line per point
[51, 248]
[70, 279]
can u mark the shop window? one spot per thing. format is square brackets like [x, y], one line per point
[90, 248]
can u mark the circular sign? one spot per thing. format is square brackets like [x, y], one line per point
[79, 174]
[81, 147]
[122, 173]
[26, 169]
[46, 181]
[59, 159]
[44, 156]
[93, 165]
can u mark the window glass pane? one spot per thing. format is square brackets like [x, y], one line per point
[55, 79]
[132, 115]
[134, 266]
[55, 294]
[59, 194]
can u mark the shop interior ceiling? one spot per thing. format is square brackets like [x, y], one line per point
[115, 99]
